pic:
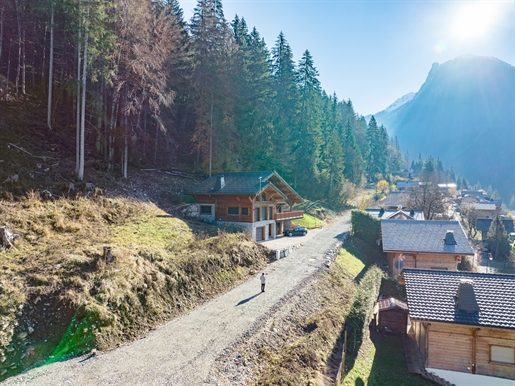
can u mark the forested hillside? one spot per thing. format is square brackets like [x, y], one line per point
[132, 82]
[465, 114]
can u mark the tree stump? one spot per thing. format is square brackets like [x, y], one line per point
[108, 254]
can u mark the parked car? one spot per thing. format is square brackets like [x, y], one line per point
[297, 231]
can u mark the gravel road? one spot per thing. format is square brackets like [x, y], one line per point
[183, 351]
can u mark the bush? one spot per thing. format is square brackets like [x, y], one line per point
[467, 264]
[365, 226]
[362, 308]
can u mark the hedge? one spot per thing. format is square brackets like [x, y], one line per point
[365, 226]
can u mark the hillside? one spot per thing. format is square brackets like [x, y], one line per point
[58, 295]
[464, 114]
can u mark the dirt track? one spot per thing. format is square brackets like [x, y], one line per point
[183, 351]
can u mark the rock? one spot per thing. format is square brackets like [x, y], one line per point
[30, 330]
[22, 335]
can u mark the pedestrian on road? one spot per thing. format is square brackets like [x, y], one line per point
[263, 282]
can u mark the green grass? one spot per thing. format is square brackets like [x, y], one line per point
[309, 222]
[381, 362]
[356, 256]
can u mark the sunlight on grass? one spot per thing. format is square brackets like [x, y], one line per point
[350, 263]
[309, 222]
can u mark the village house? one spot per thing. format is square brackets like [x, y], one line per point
[483, 225]
[464, 324]
[423, 244]
[261, 202]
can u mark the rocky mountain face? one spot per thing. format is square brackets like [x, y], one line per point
[464, 114]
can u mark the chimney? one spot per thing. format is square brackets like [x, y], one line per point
[381, 212]
[220, 182]
[449, 238]
[465, 297]
[412, 213]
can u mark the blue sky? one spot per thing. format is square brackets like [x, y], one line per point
[374, 52]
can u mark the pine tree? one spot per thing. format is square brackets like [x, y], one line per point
[497, 239]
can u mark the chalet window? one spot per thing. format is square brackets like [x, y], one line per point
[256, 214]
[499, 354]
[263, 197]
[233, 211]
[264, 213]
[244, 211]
[270, 213]
[206, 209]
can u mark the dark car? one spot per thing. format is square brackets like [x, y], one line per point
[298, 231]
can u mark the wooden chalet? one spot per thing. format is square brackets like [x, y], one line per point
[261, 202]
[483, 226]
[463, 322]
[423, 244]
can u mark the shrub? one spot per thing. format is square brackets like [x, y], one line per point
[365, 226]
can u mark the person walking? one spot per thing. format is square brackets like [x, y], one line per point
[263, 280]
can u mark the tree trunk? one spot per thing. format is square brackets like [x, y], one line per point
[18, 69]
[23, 59]
[83, 104]
[1, 30]
[78, 102]
[50, 67]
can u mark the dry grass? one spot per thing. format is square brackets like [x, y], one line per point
[162, 268]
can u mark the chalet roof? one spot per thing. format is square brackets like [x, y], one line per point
[395, 199]
[392, 213]
[245, 183]
[424, 236]
[484, 206]
[435, 296]
[391, 303]
[483, 224]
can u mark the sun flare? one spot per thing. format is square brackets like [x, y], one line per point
[473, 20]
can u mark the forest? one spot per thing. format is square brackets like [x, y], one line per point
[131, 82]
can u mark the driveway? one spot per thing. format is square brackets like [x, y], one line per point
[183, 351]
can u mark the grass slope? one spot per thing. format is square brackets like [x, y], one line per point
[59, 297]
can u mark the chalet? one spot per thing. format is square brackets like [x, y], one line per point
[394, 214]
[395, 200]
[260, 202]
[487, 209]
[423, 244]
[464, 324]
[483, 225]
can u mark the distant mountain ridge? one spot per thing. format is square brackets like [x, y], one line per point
[464, 113]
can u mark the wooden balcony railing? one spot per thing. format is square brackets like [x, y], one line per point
[289, 215]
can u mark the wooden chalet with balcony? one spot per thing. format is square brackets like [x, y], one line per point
[261, 202]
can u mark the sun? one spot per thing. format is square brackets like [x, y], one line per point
[473, 20]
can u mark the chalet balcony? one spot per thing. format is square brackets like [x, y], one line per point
[289, 215]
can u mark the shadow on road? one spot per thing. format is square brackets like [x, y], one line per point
[248, 299]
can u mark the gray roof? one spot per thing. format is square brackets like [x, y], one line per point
[389, 213]
[423, 236]
[431, 296]
[395, 199]
[484, 206]
[483, 224]
[245, 183]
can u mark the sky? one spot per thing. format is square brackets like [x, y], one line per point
[374, 52]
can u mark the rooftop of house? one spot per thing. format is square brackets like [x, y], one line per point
[397, 200]
[483, 224]
[390, 303]
[485, 206]
[395, 213]
[471, 298]
[443, 237]
[244, 183]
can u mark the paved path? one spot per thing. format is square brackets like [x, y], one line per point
[183, 351]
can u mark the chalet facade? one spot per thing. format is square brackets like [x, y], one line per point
[463, 322]
[394, 214]
[423, 244]
[260, 202]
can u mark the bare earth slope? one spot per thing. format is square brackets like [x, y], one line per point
[184, 351]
